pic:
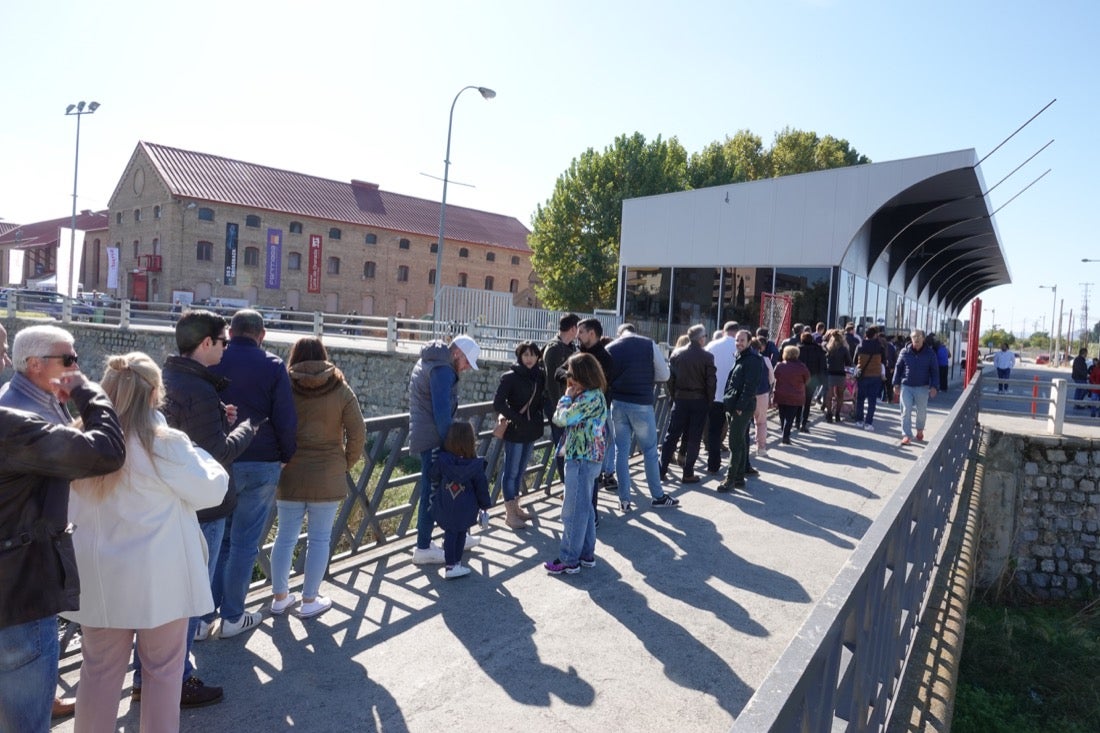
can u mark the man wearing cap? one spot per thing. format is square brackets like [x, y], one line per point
[692, 384]
[433, 401]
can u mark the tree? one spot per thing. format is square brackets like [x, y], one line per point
[575, 236]
[799, 151]
[740, 158]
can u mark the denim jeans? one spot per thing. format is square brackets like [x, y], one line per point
[638, 422]
[28, 675]
[516, 458]
[424, 522]
[1003, 374]
[256, 482]
[609, 452]
[318, 543]
[578, 518]
[869, 389]
[913, 397]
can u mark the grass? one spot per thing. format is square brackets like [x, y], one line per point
[1029, 669]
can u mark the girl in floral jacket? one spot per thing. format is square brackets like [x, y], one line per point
[582, 411]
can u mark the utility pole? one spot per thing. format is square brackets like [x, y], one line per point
[1085, 315]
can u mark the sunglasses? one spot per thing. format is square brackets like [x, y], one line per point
[223, 339]
[66, 359]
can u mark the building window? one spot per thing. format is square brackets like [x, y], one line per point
[462, 279]
[294, 261]
[206, 214]
[334, 265]
[403, 274]
[252, 220]
[490, 256]
[251, 256]
[137, 249]
[403, 244]
[434, 248]
[371, 239]
[137, 214]
[156, 245]
[368, 270]
[156, 212]
[204, 252]
[513, 286]
[118, 218]
[295, 227]
[431, 276]
[334, 233]
[515, 260]
[463, 252]
[488, 282]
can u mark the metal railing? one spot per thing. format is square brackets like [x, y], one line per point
[843, 668]
[1053, 399]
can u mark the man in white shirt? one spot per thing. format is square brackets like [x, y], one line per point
[1003, 361]
[724, 351]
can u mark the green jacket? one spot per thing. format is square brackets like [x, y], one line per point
[742, 382]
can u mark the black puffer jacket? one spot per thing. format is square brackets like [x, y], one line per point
[37, 461]
[517, 385]
[193, 406]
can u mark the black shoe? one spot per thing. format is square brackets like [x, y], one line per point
[664, 474]
[725, 487]
[665, 500]
[690, 480]
[750, 471]
[739, 483]
[196, 695]
[608, 481]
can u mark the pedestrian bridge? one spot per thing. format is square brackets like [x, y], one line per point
[803, 591]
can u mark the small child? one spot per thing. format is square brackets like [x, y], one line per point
[459, 489]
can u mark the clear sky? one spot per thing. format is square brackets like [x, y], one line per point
[351, 89]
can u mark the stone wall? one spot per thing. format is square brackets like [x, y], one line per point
[1041, 514]
[381, 379]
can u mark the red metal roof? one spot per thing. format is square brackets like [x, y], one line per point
[41, 233]
[212, 178]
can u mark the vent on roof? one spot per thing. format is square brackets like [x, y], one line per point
[356, 183]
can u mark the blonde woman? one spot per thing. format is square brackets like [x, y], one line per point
[140, 554]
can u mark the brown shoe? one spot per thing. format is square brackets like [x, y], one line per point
[196, 695]
[63, 707]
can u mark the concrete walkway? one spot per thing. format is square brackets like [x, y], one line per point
[683, 616]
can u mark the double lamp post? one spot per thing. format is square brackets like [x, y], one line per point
[79, 110]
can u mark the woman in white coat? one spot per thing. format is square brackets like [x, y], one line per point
[140, 555]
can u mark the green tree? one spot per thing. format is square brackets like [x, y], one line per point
[998, 336]
[799, 151]
[575, 236]
[740, 158]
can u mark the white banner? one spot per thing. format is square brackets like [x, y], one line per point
[112, 268]
[70, 251]
[15, 266]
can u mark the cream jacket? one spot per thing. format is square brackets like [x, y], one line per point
[140, 553]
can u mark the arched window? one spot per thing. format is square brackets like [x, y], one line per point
[294, 261]
[462, 279]
[204, 252]
[156, 212]
[490, 256]
[403, 244]
[515, 260]
[334, 233]
[403, 273]
[488, 282]
[368, 270]
[206, 214]
[252, 220]
[372, 239]
[251, 256]
[137, 214]
[118, 218]
[431, 276]
[463, 252]
[334, 265]
[295, 227]
[513, 286]
[156, 245]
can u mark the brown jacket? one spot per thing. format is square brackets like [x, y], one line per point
[331, 434]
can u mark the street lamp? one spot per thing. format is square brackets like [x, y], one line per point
[486, 93]
[79, 110]
[1085, 259]
[1053, 305]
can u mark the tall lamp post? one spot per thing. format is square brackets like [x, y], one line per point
[486, 93]
[1053, 305]
[79, 110]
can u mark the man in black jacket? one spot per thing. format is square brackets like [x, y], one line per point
[592, 341]
[691, 384]
[38, 577]
[740, 402]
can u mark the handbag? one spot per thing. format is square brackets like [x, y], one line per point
[503, 423]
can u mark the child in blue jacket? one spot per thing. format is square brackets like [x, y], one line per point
[459, 489]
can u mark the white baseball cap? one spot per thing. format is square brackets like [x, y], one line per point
[469, 348]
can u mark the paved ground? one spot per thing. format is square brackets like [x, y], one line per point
[681, 619]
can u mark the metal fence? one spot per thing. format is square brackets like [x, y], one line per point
[843, 668]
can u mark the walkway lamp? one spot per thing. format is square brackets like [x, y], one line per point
[1053, 305]
[78, 110]
[486, 93]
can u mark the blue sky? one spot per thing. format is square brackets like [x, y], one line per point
[362, 90]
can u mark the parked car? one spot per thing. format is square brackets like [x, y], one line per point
[47, 302]
[1042, 359]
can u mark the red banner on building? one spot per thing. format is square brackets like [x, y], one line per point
[313, 279]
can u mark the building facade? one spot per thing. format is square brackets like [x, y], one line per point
[900, 244]
[38, 244]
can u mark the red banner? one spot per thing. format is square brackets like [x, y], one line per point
[313, 279]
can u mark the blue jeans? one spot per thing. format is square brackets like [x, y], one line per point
[578, 518]
[1001, 375]
[28, 675]
[318, 543]
[609, 454]
[212, 532]
[638, 422]
[256, 482]
[516, 458]
[424, 521]
[869, 390]
[913, 397]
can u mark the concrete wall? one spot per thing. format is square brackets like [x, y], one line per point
[380, 379]
[1040, 514]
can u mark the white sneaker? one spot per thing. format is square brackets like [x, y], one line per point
[456, 571]
[277, 606]
[431, 555]
[869, 427]
[316, 607]
[246, 622]
[471, 541]
[762, 452]
[203, 632]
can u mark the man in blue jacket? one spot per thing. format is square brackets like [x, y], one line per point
[259, 386]
[915, 377]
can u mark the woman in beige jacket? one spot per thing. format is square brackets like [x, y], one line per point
[331, 436]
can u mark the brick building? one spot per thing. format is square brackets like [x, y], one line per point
[39, 243]
[191, 226]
